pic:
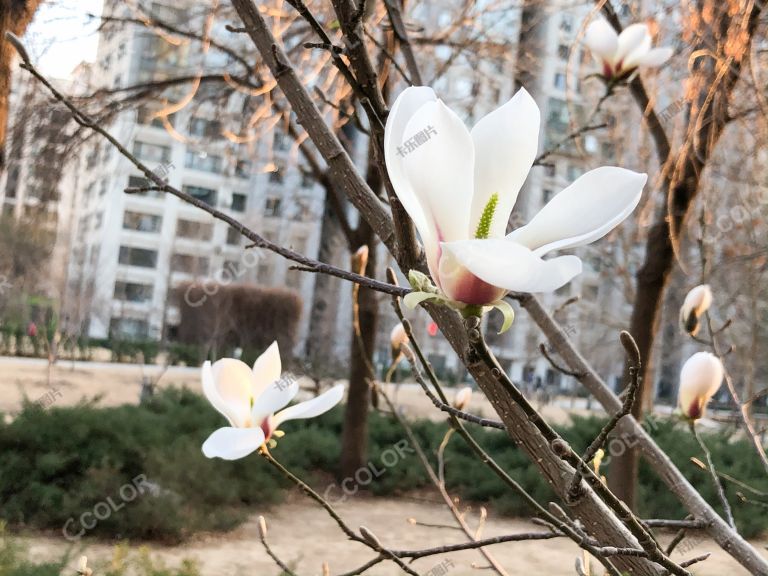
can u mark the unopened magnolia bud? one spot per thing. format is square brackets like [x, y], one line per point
[397, 338]
[82, 567]
[462, 398]
[696, 302]
[370, 537]
[420, 282]
[360, 259]
[262, 528]
[700, 379]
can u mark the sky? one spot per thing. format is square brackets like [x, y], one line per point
[61, 35]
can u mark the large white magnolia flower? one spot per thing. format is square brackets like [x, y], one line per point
[700, 379]
[459, 187]
[250, 400]
[620, 54]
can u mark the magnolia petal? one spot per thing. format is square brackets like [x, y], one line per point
[507, 311]
[585, 211]
[700, 379]
[630, 42]
[404, 108]
[266, 369]
[656, 57]
[636, 56]
[506, 142]
[441, 169]
[511, 266]
[311, 408]
[276, 396]
[602, 40]
[233, 443]
[229, 387]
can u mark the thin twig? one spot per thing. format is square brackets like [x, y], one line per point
[713, 475]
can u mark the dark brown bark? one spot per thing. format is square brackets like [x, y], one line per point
[15, 16]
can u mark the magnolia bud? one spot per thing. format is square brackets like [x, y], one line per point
[462, 398]
[397, 338]
[420, 282]
[700, 379]
[360, 259]
[82, 567]
[696, 302]
[262, 527]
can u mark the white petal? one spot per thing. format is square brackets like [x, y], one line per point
[233, 443]
[228, 385]
[511, 266]
[506, 142]
[404, 108]
[656, 57]
[266, 369]
[700, 378]
[587, 210]
[602, 40]
[441, 169]
[276, 396]
[636, 56]
[311, 408]
[631, 39]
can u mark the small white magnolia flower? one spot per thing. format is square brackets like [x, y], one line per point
[696, 302]
[620, 54]
[250, 399]
[397, 338]
[700, 379]
[462, 398]
[459, 187]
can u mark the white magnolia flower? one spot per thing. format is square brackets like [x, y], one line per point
[700, 379]
[459, 187]
[250, 399]
[462, 398]
[397, 338]
[696, 302]
[620, 54]
[82, 567]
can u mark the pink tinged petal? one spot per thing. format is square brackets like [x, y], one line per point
[506, 142]
[403, 110]
[511, 266]
[585, 211]
[602, 40]
[441, 169]
[631, 39]
[461, 285]
[233, 443]
[266, 369]
[229, 386]
[656, 57]
[310, 408]
[277, 395]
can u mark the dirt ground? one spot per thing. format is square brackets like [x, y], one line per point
[303, 536]
[116, 384]
[299, 531]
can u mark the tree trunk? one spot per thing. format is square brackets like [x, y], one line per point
[15, 16]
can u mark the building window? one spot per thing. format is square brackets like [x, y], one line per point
[560, 81]
[140, 222]
[566, 23]
[551, 170]
[140, 182]
[574, 172]
[307, 180]
[233, 237]
[203, 162]
[204, 128]
[141, 257]
[152, 152]
[276, 176]
[562, 51]
[189, 264]
[207, 195]
[238, 202]
[546, 195]
[130, 328]
[280, 141]
[132, 292]
[194, 230]
[243, 169]
[272, 207]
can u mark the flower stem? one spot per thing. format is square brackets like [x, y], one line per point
[713, 474]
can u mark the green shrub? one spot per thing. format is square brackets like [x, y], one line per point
[60, 463]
